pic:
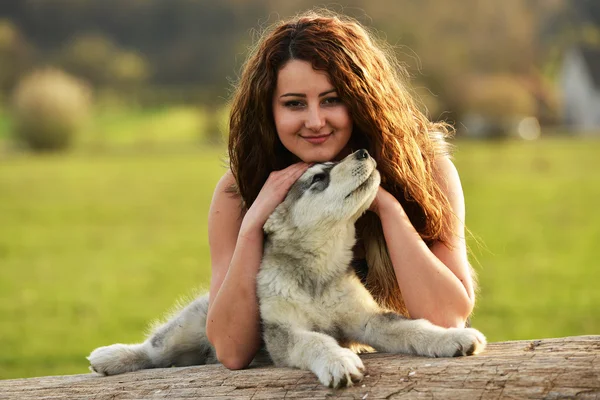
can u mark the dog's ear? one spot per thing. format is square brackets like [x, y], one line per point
[276, 219]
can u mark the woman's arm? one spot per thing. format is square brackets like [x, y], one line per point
[236, 244]
[436, 282]
[233, 321]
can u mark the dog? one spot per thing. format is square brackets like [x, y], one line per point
[310, 298]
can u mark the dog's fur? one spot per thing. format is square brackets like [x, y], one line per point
[310, 297]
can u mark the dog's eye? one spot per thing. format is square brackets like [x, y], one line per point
[317, 178]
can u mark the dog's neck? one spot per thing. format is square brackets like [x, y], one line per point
[326, 250]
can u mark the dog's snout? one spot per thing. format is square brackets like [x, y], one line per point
[361, 154]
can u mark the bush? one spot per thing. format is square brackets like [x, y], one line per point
[103, 63]
[499, 97]
[49, 108]
[15, 55]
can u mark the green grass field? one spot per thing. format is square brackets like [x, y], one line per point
[534, 209]
[94, 247]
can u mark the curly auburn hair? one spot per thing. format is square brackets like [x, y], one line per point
[386, 120]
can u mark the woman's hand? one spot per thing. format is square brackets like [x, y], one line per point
[383, 200]
[270, 196]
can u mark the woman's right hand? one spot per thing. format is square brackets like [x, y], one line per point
[270, 196]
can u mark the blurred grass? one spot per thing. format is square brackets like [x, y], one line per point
[123, 129]
[94, 247]
[534, 207]
[117, 127]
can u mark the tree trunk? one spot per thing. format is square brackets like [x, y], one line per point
[547, 368]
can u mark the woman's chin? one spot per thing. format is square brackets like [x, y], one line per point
[316, 159]
[317, 156]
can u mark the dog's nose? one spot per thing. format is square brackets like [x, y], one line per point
[361, 154]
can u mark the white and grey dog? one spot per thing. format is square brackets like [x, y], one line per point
[310, 297]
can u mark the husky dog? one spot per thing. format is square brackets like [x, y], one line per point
[309, 295]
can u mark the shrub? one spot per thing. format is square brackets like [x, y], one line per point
[499, 97]
[103, 63]
[49, 108]
[15, 55]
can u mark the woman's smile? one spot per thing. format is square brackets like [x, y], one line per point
[317, 139]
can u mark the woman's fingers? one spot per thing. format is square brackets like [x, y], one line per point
[296, 172]
[273, 192]
[287, 176]
[278, 184]
[292, 170]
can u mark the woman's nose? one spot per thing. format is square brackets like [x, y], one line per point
[314, 119]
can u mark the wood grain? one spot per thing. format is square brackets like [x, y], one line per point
[561, 368]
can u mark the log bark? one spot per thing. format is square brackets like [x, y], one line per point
[561, 368]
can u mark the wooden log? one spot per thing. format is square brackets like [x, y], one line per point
[533, 369]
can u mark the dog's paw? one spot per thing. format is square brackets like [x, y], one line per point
[339, 368]
[457, 342]
[117, 359]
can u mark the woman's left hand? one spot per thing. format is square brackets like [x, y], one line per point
[383, 199]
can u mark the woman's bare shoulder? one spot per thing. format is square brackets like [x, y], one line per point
[227, 180]
[445, 171]
[224, 221]
[225, 196]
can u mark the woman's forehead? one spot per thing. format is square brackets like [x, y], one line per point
[299, 77]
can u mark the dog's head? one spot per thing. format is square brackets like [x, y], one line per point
[328, 194]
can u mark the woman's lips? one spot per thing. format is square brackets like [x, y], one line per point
[316, 139]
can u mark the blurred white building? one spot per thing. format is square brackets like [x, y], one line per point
[580, 86]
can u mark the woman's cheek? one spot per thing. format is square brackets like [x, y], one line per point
[289, 124]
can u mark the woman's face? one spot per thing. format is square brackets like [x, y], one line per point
[310, 119]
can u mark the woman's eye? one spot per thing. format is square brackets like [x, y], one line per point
[318, 178]
[332, 100]
[293, 104]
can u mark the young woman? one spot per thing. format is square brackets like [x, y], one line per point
[313, 89]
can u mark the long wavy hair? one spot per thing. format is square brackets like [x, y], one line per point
[387, 122]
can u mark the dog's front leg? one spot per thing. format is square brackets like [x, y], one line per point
[335, 366]
[180, 341]
[393, 333]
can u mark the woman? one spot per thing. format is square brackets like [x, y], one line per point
[313, 89]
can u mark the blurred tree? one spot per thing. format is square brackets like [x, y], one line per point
[88, 56]
[577, 24]
[498, 97]
[443, 46]
[15, 56]
[98, 60]
[128, 69]
[188, 43]
[200, 43]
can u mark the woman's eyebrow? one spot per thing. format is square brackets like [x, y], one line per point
[303, 95]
